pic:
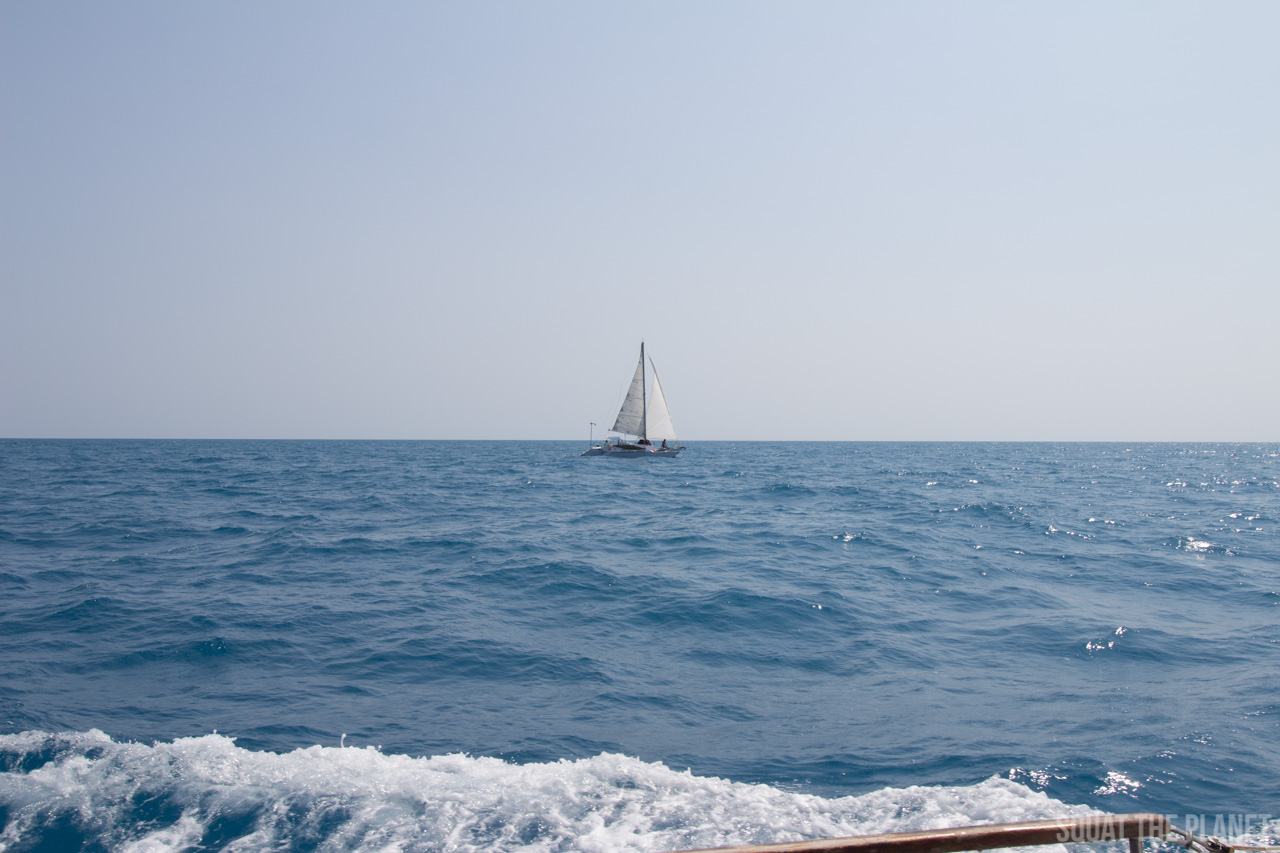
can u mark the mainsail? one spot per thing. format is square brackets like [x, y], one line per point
[660, 426]
[631, 415]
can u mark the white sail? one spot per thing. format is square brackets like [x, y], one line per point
[660, 426]
[631, 415]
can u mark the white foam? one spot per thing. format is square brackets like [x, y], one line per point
[360, 799]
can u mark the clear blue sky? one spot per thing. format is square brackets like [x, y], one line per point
[829, 220]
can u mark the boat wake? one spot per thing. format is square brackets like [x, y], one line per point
[83, 790]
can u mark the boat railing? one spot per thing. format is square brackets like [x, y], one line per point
[1080, 830]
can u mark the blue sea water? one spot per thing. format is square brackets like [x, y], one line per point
[500, 646]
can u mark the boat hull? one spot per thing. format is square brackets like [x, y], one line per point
[616, 452]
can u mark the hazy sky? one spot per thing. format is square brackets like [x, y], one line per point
[828, 220]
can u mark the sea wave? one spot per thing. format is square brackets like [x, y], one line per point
[833, 620]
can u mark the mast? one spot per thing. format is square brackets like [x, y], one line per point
[644, 402]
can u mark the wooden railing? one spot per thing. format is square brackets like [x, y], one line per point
[1133, 827]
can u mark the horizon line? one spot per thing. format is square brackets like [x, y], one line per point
[694, 440]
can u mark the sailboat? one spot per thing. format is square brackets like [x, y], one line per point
[647, 420]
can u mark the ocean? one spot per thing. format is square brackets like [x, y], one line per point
[500, 646]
